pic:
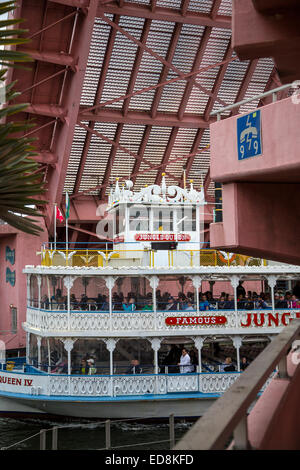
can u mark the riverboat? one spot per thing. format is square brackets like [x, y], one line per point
[106, 325]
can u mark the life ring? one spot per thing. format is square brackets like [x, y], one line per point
[225, 257]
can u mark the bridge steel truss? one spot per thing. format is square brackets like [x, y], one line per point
[126, 88]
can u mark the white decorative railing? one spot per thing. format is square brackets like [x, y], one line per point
[124, 385]
[116, 385]
[103, 323]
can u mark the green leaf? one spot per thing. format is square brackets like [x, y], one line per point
[20, 183]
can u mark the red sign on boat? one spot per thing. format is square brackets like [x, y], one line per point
[215, 320]
[162, 237]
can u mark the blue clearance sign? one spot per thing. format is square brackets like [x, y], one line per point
[249, 135]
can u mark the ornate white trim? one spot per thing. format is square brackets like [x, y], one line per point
[110, 344]
[65, 256]
[156, 194]
[68, 344]
[69, 281]
[207, 272]
[133, 324]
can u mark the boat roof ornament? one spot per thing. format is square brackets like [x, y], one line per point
[156, 194]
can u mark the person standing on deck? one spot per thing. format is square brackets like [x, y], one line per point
[185, 362]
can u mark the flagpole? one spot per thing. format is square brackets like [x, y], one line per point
[67, 234]
[55, 226]
[67, 217]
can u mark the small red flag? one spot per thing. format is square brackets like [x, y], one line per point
[59, 215]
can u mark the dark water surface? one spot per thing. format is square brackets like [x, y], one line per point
[88, 435]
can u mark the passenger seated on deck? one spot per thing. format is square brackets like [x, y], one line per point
[172, 304]
[241, 302]
[83, 302]
[61, 368]
[209, 296]
[182, 301]
[190, 295]
[134, 367]
[159, 300]
[228, 366]
[92, 304]
[99, 301]
[73, 302]
[116, 301]
[91, 366]
[222, 302]
[244, 363]
[293, 302]
[148, 306]
[45, 302]
[189, 305]
[148, 301]
[84, 368]
[260, 303]
[204, 304]
[249, 304]
[54, 359]
[105, 305]
[62, 303]
[229, 305]
[130, 306]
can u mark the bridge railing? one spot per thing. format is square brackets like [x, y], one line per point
[228, 415]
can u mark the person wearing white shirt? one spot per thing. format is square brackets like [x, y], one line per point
[189, 306]
[185, 362]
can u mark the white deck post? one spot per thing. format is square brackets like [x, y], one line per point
[154, 281]
[39, 283]
[110, 282]
[198, 341]
[155, 343]
[235, 282]
[68, 282]
[197, 281]
[272, 283]
[27, 347]
[28, 290]
[111, 346]
[49, 355]
[39, 342]
[237, 343]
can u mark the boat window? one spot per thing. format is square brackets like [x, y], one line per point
[163, 220]
[119, 221]
[186, 219]
[139, 218]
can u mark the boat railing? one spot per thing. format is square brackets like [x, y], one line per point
[92, 257]
[35, 382]
[147, 306]
[103, 370]
[169, 322]
[58, 384]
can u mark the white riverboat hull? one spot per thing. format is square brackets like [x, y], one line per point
[156, 408]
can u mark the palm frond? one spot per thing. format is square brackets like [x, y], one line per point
[21, 185]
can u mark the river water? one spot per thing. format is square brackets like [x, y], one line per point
[88, 435]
